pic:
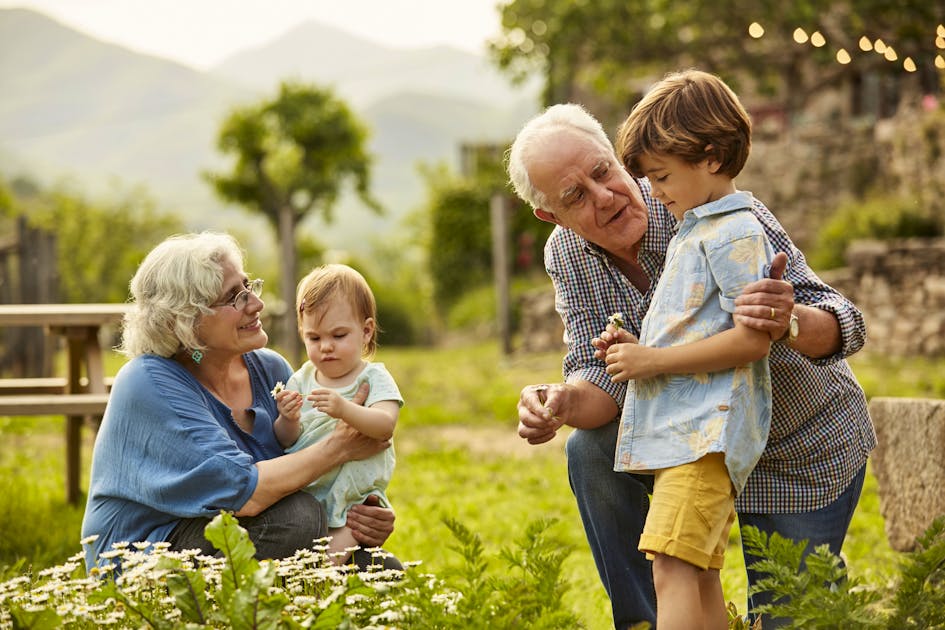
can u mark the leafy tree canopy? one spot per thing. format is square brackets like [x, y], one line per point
[99, 244]
[293, 151]
[609, 46]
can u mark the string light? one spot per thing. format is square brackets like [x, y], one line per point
[817, 39]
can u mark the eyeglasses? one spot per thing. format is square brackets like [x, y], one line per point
[241, 299]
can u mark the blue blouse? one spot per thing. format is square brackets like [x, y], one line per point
[167, 449]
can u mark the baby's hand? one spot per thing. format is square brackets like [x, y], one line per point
[328, 401]
[289, 404]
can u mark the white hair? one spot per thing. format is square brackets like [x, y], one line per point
[565, 116]
[173, 287]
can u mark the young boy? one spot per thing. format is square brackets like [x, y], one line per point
[698, 412]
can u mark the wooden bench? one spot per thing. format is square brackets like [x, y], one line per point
[82, 395]
[53, 404]
[77, 409]
[42, 385]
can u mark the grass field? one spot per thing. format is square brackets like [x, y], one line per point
[458, 457]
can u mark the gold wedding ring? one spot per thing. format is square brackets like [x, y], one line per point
[772, 312]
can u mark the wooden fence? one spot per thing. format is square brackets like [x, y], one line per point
[28, 275]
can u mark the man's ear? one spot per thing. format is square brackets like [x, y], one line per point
[544, 215]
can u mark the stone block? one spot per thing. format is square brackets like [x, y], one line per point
[909, 464]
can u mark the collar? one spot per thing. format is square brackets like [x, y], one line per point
[738, 200]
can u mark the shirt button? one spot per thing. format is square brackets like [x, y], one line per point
[723, 407]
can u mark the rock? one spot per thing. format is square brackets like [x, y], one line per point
[909, 464]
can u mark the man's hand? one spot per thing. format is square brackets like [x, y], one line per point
[538, 406]
[370, 524]
[766, 305]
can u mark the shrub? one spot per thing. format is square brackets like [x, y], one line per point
[878, 217]
[823, 595]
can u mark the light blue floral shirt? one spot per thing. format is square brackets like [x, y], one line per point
[673, 419]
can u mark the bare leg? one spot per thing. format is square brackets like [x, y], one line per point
[678, 600]
[339, 547]
[714, 615]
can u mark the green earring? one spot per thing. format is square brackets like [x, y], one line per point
[196, 355]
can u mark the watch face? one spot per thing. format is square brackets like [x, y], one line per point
[793, 326]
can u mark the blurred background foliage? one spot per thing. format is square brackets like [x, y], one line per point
[433, 273]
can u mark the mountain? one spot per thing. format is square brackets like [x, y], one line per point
[75, 106]
[363, 72]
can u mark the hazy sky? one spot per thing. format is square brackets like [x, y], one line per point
[201, 33]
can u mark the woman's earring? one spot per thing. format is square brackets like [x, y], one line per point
[196, 355]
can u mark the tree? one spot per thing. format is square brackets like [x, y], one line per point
[293, 154]
[460, 241]
[611, 48]
[99, 243]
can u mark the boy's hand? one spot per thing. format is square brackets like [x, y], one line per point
[629, 360]
[328, 401]
[609, 337]
[289, 404]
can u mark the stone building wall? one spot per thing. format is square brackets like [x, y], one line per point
[900, 287]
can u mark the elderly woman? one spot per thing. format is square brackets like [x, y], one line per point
[189, 427]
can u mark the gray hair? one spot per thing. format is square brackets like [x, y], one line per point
[566, 116]
[173, 287]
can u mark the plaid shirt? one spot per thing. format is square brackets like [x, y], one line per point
[821, 432]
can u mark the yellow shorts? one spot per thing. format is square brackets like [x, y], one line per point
[691, 513]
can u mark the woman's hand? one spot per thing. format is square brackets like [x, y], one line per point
[370, 524]
[352, 444]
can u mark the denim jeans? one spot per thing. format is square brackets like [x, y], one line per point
[279, 531]
[826, 526]
[613, 508]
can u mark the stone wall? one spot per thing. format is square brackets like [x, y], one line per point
[900, 287]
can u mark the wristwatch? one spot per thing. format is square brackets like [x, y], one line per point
[793, 330]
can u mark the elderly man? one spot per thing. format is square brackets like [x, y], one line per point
[605, 256]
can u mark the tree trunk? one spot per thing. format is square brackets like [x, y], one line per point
[288, 338]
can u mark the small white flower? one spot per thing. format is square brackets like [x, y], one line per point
[278, 388]
[616, 320]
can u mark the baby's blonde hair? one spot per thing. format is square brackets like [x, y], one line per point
[337, 281]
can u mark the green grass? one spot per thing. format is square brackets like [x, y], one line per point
[459, 457]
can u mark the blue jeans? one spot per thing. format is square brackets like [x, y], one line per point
[613, 508]
[826, 526]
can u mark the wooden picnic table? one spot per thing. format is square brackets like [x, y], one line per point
[83, 393]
